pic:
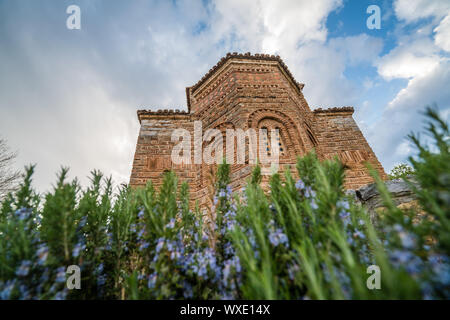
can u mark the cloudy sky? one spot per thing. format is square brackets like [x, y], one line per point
[69, 97]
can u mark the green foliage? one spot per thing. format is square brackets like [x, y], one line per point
[432, 171]
[303, 239]
[401, 170]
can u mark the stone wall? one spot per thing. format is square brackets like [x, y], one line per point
[400, 191]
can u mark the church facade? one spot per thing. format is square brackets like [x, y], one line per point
[244, 91]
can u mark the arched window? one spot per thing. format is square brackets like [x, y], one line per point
[281, 146]
[272, 127]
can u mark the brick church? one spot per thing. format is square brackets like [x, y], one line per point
[250, 91]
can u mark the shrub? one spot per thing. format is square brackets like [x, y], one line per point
[304, 239]
[401, 170]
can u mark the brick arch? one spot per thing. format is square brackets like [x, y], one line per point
[289, 129]
[284, 140]
[222, 127]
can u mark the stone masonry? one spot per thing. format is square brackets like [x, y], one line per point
[250, 91]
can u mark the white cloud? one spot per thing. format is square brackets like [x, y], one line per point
[420, 60]
[271, 26]
[410, 59]
[404, 113]
[322, 68]
[413, 10]
[407, 65]
[439, 10]
[72, 122]
[442, 37]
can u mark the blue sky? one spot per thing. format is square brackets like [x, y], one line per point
[69, 97]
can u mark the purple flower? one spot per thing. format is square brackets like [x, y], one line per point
[77, 249]
[277, 237]
[226, 272]
[24, 292]
[170, 246]
[309, 192]
[401, 256]
[292, 270]
[230, 214]
[152, 280]
[300, 184]
[407, 239]
[237, 264]
[350, 240]
[61, 274]
[175, 255]
[171, 224]
[24, 268]
[42, 254]
[230, 225]
[23, 213]
[160, 244]
[100, 268]
[251, 238]
[406, 259]
[359, 234]
[441, 268]
[344, 214]
[61, 295]
[228, 249]
[343, 204]
[141, 233]
[188, 292]
[7, 289]
[144, 245]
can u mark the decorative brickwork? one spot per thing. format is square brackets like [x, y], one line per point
[250, 91]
